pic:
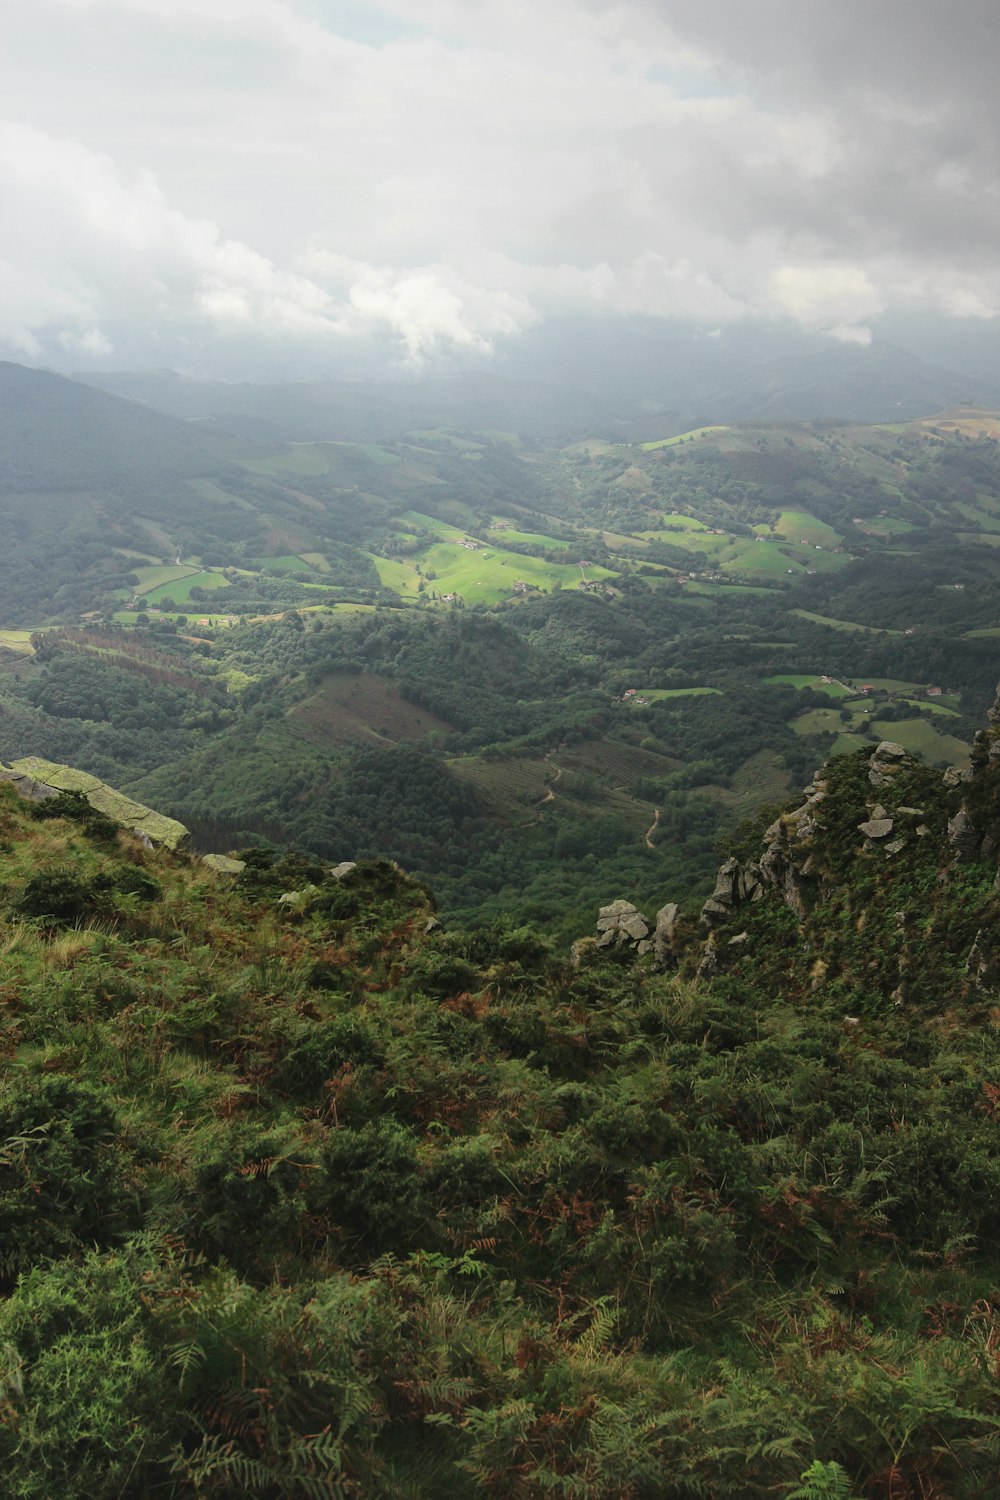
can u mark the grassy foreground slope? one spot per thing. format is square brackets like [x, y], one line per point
[301, 1194]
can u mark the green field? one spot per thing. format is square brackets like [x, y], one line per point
[161, 573]
[922, 739]
[822, 721]
[770, 559]
[916, 735]
[682, 437]
[935, 705]
[805, 680]
[848, 625]
[800, 526]
[180, 589]
[485, 575]
[672, 524]
[724, 588]
[886, 526]
[657, 694]
[17, 640]
[503, 534]
[300, 458]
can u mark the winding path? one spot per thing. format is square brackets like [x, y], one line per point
[648, 835]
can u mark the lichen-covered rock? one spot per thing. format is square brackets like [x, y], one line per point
[663, 937]
[876, 828]
[620, 924]
[344, 868]
[224, 864]
[888, 760]
[964, 837]
[30, 775]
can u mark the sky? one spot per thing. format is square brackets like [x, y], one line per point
[220, 185]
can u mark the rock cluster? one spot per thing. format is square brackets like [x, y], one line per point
[622, 925]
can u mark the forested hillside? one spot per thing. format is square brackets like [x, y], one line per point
[533, 671]
[303, 1193]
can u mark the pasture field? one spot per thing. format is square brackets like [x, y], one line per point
[160, 573]
[485, 575]
[890, 684]
[616, 540]
[682, 437]
[935, 705]
[805, 680]
[916, 735]
[17, 640]
[400, 576]
[316, 560]
[509, 533]
[973, 421]
[846, 625]
[488, 576]
[702, 542]
[923, 739]
[823, 721]
[440, 435]
[770, 559]
[658, 694]
[307, 459]
[725, 588]
[800, 526]
[672, 524]
[886, 526]
[180, 589]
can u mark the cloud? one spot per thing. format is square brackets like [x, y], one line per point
[176, 174]
[836, 299]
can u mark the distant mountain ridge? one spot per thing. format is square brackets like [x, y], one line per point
[685, 381]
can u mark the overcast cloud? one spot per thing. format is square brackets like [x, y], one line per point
[181, 177]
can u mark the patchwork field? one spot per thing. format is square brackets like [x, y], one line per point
[477, 572]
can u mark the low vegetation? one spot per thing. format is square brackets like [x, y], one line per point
[302, 1193]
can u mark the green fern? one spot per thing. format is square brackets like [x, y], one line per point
[823, 1481]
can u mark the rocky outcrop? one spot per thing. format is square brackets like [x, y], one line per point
[735, 883]
[664, 936]
[622, 925]
[974, 831]
[887, 762]
[40, 779]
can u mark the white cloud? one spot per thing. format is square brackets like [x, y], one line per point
[175, 172]
[837, 299]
